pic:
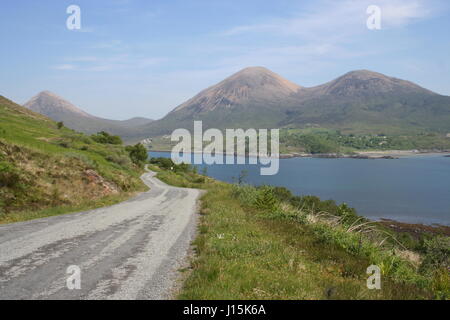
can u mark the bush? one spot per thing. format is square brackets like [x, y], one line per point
[313, 204]
[266, 200]
[437, 254]
[64, 144]
[138, 153]
[168, 164]
[245, 194]
[163, 163]
[123, 161]
[282, 193]
[105, 138]
[9, 175]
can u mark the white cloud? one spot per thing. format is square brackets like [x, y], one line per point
[341, 18]
[399, 13]
[110, 63]
[65, 67]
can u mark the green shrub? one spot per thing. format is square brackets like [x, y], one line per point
[246, 194]
[168, 164]
[437, 254]
[138, 153]
[282, 194]
[105, 138]
[123, 161]
[9, 175]
[64, 144]
[163, 163]
[266, 200]
[441, 284]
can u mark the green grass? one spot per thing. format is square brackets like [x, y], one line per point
[248, 248]
[59, 210]
[46, 169]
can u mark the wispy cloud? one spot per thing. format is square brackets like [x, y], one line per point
[64, 67]
[341, 17]
[324, 32]
[400, 13]
[111, 63]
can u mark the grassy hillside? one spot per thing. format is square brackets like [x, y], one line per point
[322, 141]
[255, 243]
[316, 140]
[47, 169]
[393, 113]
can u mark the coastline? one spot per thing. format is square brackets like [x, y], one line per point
[363, 155]
[415, 229]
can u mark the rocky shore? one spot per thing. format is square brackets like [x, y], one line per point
[415, 229]
[387, 154]
[364, 155]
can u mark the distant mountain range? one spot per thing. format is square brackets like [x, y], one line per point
[359, 101]
[58, 109]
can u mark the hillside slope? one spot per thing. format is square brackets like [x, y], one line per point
[43, 167]
[58, 109]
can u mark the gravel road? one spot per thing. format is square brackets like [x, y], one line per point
[132, 250]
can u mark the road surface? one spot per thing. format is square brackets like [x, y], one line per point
[132, 250]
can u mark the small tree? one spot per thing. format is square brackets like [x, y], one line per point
[242, 175]
[138, 153]
[106, 138]
[266, 199]
[60, 124]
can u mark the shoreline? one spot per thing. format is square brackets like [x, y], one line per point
[362, 155]
[415, 229]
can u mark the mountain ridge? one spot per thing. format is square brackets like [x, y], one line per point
[359, 100]
[255, 97]
[59, 109]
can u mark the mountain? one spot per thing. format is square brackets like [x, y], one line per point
[253, 97]
[360, 101]
[365, 83]
[370, 102]
[58, 109]
[251, 86]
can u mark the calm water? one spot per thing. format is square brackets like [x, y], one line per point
[414, 189]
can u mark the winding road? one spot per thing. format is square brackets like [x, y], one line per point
[132, 250]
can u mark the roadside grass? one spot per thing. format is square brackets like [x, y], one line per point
[106, 201]
[48, 169]
[247, 251]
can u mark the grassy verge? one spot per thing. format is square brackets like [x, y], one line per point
[59, 210]
[48, 169]
[253, 245]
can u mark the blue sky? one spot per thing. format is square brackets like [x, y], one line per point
[143, 58]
